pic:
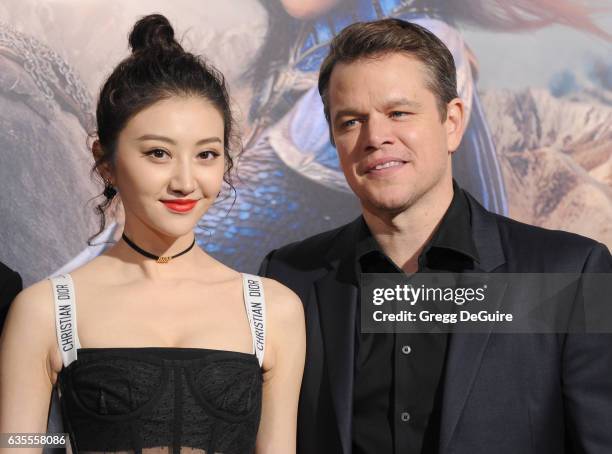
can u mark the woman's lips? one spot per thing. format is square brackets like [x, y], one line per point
[180, 205]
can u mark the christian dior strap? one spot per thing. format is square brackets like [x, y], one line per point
[255, 304]
[65, 318]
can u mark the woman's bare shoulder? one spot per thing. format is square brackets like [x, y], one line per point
[35, 302]
[97, 267]
[286, 336]
[30, 323]
[284, 306]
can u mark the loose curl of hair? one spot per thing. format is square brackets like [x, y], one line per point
[158, 68]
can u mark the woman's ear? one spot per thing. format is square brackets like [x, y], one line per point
[104, 168]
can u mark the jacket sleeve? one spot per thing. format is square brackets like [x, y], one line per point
[587, 376]
[10, 286]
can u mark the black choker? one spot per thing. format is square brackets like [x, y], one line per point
[158, 258]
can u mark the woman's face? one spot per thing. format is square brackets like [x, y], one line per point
[169, 164]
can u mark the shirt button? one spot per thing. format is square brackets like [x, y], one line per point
[406, 349]
[405, 416]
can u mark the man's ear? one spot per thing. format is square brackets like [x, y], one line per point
[455, 111]
[331, 135]
[103, 169]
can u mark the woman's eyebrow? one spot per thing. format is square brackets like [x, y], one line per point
[172, 142]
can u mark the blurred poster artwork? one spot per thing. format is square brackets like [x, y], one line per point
[536, 77]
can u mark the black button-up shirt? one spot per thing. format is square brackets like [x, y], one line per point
[398, 377]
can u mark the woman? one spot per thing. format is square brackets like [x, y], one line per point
[171, 349]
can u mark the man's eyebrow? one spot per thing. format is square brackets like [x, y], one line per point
[394, 102]
[347, 113]
[172, 142]
[402, 102]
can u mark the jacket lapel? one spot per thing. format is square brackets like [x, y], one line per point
[466, 350]
[337, 301]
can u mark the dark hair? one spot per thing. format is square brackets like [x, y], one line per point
[377, 38]
[157, 69]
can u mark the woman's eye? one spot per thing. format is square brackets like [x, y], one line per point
[207, 155]
[157, 153]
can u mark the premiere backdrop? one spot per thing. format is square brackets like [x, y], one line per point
[536, 76]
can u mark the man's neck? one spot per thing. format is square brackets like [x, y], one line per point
[403, 236]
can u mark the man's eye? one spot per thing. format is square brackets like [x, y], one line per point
[349, 123]
[157, 153]
[398, 114]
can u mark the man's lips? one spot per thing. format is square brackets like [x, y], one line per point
[180, 205]
[384, 165]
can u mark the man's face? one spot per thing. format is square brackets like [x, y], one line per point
[392, 144]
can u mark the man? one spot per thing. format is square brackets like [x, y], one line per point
[389, 93]
[10, 285]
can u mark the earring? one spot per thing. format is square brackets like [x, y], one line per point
[109, 191]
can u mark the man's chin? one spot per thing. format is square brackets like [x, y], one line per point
[387, 206]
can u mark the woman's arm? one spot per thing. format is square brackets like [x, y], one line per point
[283, 367]
[28, 362]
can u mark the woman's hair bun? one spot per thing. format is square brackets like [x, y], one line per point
[153, 32]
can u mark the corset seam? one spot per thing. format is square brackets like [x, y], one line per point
[178, 409]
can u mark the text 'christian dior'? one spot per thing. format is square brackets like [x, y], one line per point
[65, 318]
[256, 306]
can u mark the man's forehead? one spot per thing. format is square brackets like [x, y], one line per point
[395, 69]
[391, 79]
[382, 59]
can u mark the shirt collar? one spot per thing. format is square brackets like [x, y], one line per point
[454, 233]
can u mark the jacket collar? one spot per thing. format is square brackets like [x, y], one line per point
[485, 235]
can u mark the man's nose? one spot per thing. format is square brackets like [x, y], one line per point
[377, 132]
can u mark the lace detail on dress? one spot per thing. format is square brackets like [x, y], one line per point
[162, 400]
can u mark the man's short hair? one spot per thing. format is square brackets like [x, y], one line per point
[381, 37]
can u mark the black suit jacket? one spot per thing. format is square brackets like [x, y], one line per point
[10, 285]
[503, 393]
